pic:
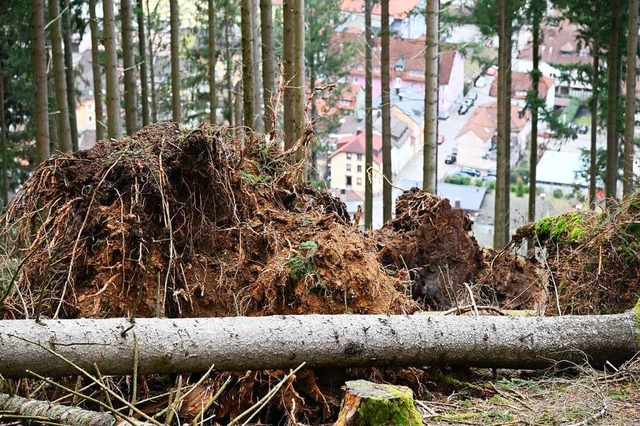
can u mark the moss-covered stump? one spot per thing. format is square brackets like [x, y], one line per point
[371, 404]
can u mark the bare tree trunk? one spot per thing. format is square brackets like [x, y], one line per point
[68, 63]
[386, 116]
[129, 62]
[248, 87]
[612, 103]
[150, 60]
[142, 52]
[175, 61]
[275, 342]
[230, 106]
[257, 81]
[212, 61]
[430, 146]
[368, 111]
[3, 142]
[593, 152]
[537, 10]
[630, 104]
[114, 121]
[237, 105]
[97, 72]
[298, 14]
[268, 73]
[288, 56]
[502, 213]
[59, 78]
[39, 55]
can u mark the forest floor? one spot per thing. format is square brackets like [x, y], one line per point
[202, 222]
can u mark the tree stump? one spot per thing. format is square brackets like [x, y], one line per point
[372, 404]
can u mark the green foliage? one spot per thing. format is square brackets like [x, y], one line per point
[520, 190]
[301, 267]
[557, 193]
[458, 179]
[568, 227]
[569, 113]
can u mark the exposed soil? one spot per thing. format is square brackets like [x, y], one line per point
[181, 222]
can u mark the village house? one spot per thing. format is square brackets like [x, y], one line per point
[402, 21]
[521, 84]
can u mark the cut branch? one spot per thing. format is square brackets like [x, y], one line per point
[241, 343]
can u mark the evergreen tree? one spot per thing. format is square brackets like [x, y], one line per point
[114, 121]
[96, 70]
[268, 69]
[176, 110]
[248, 95]
[59, 78]
[39, 55]
[430, 148]
[386, 115]
[67, 28]
[128, 59]
[368, 108]
[630, 98]
[143, 64]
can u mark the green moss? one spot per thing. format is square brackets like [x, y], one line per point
[636, 310]
[568, 228]
[394, 407]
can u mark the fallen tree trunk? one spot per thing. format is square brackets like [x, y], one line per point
[241, 343]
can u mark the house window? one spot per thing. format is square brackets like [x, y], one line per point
[359, 168]
[348, 178]
[89, 119]
[89, 107]
[348, 167]
[359, 157]
[348, 156]
[359, 181]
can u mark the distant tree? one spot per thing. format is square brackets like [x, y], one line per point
[151, 60]
[3, 142]
[67, 28]
[288, 57]
[613, 88]
[430, 148]
[114, 121]
[248, 95]
[256, 61]
[368, 110]
[129, 62]
[630, 98]
[40, 80]
[175, 60]
[59, 78]
[386, 115]
[143, 64]
[268, 69]
[230, 11]
[211, 37]
[96, 70]
[299, 58]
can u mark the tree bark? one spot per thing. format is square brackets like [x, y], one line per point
[537, 10]
[278, 342]
[59, 78]
[212, 61]
[96, 70]
[230, 105]
[39, 55]
[386, 116]
[129, 62]
[298, 14]
[60, 414]
[612, 103]
[630, 104]
[142, 52]
[368, 111]
[175, 61]
[248, 87]
[3, 143]
[502, 205]
[152, 82]
[256, 60]
[288, 56]
[268, 73]
[114, 121]
[68, 63]
[430, 146]
[593, 151]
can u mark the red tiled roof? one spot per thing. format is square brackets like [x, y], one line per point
[397, 8]
[560, 45]
[484, 121]
[521, 83]
[356, 144]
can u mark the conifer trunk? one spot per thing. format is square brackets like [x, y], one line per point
[176, 108]
[612, 103]
[430, 146]
[256, 60]
[593, 151]
[386, 116]
[59, 78]
[114, 120]
[142, 52]
[129, 62]
[96, 71]
[630, 103]
[248, 96]
[150, 60]
[288, 56]
[368, 111]
[535, 83]
[298, 14]
[39, 61]
[69, 77]
[3, 142]
[212, 60]
[268, 73]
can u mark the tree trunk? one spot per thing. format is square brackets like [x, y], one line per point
[630, 104]
[386, 116]
[230, 106]
[248, 87]
[288, 57]
[60, 414]
[593, 151]
[430, 146]
[612, 103]
[96, 70]
[277, 342]
[268, 74]
[175, 61]
[3, 143]
[129, 62]
[368, 111]
[502, 213]
[212, 61]
[257, 81]
[298, 15]
[114, 121]
[68, 63]
[59, 78]
[537, 10]
[39, 55]
[142, 52]
[367, 403]
[152, 82]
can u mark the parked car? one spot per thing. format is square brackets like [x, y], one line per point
[440, 138]
[583, 130]
[450, 159]
[470, 171]
[573, 127]
[473, 96]
[481, 82]
[493, 70]
[492, 172]
[464, 108]
[468, 102]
